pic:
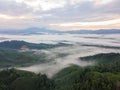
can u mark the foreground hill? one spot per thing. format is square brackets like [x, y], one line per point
[21, 80]
[100, 77]
[103, 76]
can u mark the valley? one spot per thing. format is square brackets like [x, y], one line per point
[28, 59]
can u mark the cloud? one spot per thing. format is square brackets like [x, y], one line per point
[13, 8]
[88, 25]
[89, 12]
[43, 4]
[43, 13]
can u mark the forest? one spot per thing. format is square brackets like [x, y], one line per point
[99, 77]
[103, 74]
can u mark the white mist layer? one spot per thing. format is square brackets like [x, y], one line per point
[58, 63]
[69, 38]
[70, 54]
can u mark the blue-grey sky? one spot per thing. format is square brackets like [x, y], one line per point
[60, 14]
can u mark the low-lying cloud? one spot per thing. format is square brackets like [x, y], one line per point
[57, 63]
[61, 57]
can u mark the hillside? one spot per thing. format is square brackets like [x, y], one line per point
[35, 30]
[11, 58]
[102, 58]
[100, 77]
[28, 31]
[102, 31]
[22, 80]
[18, 44]
[105, 75]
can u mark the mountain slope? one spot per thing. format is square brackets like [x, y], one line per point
[100, 77]
[18, 44]
[22, 80]
[13, 58]
[35, 30]
[32, 30]
[106, 31]
[103, 58]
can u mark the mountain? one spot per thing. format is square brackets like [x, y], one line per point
[100, 77]
[102, 58]
[32, 30]
[102, 31]
[23, 80]
[14, 44]
[35, 30]
[13, 58]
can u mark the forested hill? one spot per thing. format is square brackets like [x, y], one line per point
[103, 58]
[100, 77]
[22, 80]
[18, 44]
[13, 58]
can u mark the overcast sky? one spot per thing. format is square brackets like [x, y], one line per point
[60, 14]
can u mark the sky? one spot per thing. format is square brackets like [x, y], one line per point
[60, 14]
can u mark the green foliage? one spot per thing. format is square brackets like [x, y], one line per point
[100, 77]
[18, 44]
[12, 79]
[11, 58]
[103, 58]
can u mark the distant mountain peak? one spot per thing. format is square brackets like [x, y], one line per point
[36, 30]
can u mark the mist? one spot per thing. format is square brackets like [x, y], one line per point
[70, 56]
[62, 57]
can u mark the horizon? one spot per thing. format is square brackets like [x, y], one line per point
[60, 15]
[49, 29]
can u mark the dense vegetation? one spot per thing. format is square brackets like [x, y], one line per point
[100, 77]
[10, 58]
[101, 46]
[21, 80]
[102, 58]
[105, 75]
[18, 44]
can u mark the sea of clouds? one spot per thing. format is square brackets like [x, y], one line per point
[71, 53]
